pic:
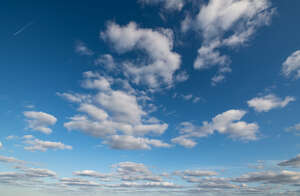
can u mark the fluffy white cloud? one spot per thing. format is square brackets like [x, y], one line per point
[170, 5]
[226, 23]
[82, 49]
[40, 145]
[1, 145]
[294, 162]
[161, 62]
[268, 102]
[116, 116]
[292, 65]
[226, 123]
[40, 121]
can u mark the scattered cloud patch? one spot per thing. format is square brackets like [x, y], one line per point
[40, 121]
[226, 24]
[228, 123]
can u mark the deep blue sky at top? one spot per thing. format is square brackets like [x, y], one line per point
[41, 61]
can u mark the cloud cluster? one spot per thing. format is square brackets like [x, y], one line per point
[40, 121]
[34, 144]
[226, 24]
[269, 102]
[160, 63]
[228, 123]
[116, 116]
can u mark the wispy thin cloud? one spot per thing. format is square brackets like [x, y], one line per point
[23, 28]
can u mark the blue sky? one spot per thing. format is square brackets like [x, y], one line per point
[154, 97]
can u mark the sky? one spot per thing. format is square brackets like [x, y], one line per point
[152, 97]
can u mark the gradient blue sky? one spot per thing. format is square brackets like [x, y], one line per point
[154, 97]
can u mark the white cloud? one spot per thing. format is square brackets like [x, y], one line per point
[226, 23]
[228, 123]
[187, 143]
[40, 145]
[294, 162]
[161, 62]
[1, 145]
[126, 142]
[292, 65]
[171, 5]
[116, 116]
[82, 49]
[93, 174]
[268, 102]
[40, 121]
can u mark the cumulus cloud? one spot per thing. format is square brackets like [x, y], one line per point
[228, 123]
[1, 145]
[116, 116]
[223, 24]
[161, 63]
[82, 49]
[40, 121]
[292, 65]
[33, 144]
[268, 102]
[171, 5]
[294, 162]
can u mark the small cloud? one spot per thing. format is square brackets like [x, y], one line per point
[269, 102]
[82, 49]
[40, 121]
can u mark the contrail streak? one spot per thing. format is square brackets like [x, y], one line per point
[23, 28]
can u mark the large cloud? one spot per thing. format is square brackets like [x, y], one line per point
[40, 121]
[226, 23]
[116, 116]
[161, 62]
[228, 123]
